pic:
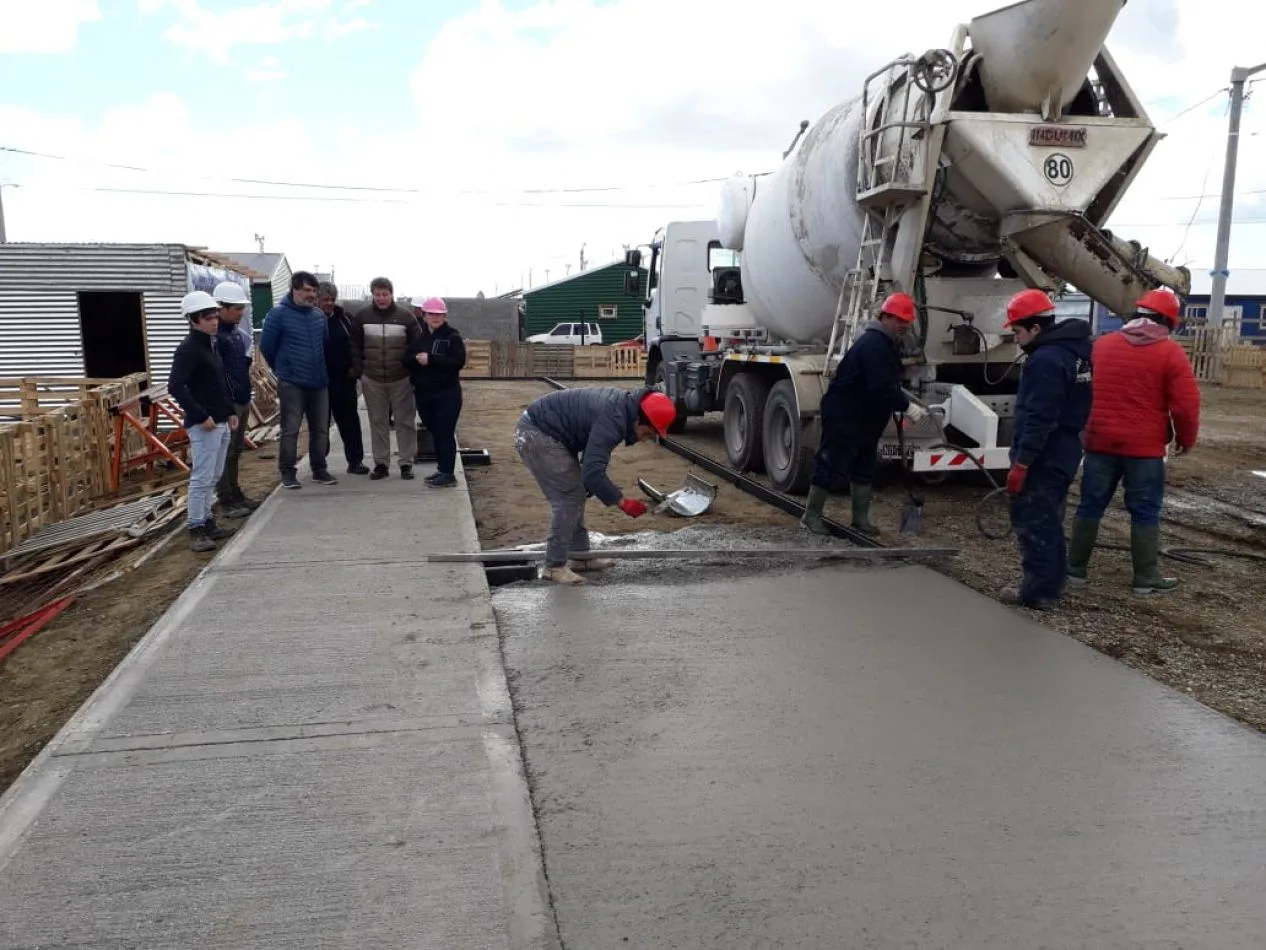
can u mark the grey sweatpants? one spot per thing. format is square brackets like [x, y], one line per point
[557, 471]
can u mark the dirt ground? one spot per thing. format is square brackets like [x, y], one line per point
[54, 672]
[1207, 639]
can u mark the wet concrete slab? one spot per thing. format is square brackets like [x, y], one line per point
[876, 758]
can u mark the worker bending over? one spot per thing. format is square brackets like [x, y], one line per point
[1051, 409]
[1145, 396]
[861, 400]
[589, 423]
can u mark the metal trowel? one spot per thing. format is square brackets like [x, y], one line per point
[692, 499]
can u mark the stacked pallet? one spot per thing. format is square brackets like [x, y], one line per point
[1217, 357]
[497, 360]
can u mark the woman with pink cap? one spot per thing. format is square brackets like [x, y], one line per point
[435, 362]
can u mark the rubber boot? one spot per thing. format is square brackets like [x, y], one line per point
[861, 508]
[1145, 553]
[812, 517]
[1080, 546]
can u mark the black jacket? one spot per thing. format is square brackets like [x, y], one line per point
[593, 422]
[197, 382]
[866, 389]
[446, 356]
[231, 350]
[342, 357]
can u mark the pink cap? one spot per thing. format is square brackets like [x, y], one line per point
[434, 305]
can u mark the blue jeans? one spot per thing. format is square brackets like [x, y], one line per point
[1037, 517]
[1144, 487]
[207, 452]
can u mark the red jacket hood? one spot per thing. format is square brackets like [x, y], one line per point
[1144, 332]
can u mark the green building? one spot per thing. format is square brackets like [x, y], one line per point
[592, 296]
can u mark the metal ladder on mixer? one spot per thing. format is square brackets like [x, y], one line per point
[886, 186]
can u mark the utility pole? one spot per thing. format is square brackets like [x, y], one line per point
[259, 239]
[3, 237]
[1221, 256]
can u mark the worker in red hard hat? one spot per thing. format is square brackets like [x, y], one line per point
[1051, 409]
[858, 405]
[436, 358]
[1146, 396]
[565, 439]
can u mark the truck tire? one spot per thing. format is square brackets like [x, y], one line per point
[788, 454]
[744, 422]
[678, 425]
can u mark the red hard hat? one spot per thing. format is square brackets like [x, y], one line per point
[659, 411]
[900, 306]
[1028, 304]
[1162, 302]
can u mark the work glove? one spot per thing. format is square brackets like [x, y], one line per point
[1016, 477]
[632, 507]
[916, 413]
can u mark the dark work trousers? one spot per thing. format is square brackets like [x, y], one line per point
[1037, 518]
[346, 416]
[842, 453]
[439, 409]
[228, 489]
[297, 404]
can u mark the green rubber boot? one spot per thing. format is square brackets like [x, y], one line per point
[1145, 552]
[1080, 546]
[861, 509]
[812, 517]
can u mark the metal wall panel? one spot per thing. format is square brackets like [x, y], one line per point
[281, 281]
[39, 313]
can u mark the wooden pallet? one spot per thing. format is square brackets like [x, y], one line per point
[496, 360]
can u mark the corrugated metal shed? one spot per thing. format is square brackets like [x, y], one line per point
[40, 328]
[583, 297]
[277, 270]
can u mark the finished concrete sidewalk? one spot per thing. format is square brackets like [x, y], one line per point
[314, 747]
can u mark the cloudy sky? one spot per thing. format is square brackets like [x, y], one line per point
[460, 146]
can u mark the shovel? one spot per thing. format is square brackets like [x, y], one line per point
[912, 511]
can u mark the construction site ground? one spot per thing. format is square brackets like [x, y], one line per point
[1207, 639]
[51, 675]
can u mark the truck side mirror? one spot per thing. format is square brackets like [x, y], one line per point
[633, 282]
[633, 258]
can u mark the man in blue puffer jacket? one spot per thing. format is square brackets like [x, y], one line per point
[293, 343]
[1051, 409]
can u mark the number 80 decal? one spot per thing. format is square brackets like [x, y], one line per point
[1058, 169]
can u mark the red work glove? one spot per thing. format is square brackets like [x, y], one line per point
[1016, 477]
[632, 507]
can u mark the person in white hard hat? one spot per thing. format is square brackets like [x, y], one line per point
[233, 353]
[197, 383]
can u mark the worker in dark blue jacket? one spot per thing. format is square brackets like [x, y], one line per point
[1051, 409]
[231, 347]
[565, 439]
[861, 400]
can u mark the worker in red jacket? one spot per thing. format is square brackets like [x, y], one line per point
[1145, 396]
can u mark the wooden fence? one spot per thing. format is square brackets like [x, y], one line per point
[56, 446]
[1218, 358]
[487, 359]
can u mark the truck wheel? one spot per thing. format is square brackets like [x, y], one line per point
[744, 422]
[679, 424]
[788, 454]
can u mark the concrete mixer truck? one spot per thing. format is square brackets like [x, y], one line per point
[960, 176]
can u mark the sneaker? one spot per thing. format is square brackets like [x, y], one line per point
[380, 471]
[406, 472]
[241, 501]
[357, 469]
[562, 575]
[324, 478]
[442, 481]
[593, 564]
[198, 540]
[290, 480]
[215, 532]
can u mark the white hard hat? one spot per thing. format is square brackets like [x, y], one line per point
[229, 292]
[196, 302]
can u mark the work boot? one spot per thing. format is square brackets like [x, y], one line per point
[406, 472]
[1080, 546]
[1011, 595]
[812, 517]
[562, 575]
[380, 471]
[198, 540]
[215, 532]
[357, 469]
[592, 564]
[1145, 553]
[861, 495]
[442, 481]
